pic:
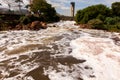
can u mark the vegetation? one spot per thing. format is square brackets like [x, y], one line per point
[28, 19]
[116, 8]
[100, 17]
[44, 10]
[8, 21]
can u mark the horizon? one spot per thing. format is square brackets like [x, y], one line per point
[65, 8]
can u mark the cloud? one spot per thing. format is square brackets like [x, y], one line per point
[63, 6]
[109, 2]
[58, 4]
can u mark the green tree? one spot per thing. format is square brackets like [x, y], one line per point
[97, 24]
[116, 8]
[79, 16]
[45, 10]
[112, 20]
[92, 12]
[101, 17]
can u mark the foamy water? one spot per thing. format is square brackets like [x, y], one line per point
[56, 53]
[101, 54]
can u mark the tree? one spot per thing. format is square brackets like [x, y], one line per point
[45, 10]
[116, 8]
[92, 12]
[79, 16]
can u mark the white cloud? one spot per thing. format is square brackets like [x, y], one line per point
[109, 2]
[63, 6]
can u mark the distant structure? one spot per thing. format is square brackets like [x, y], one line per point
[72, 8]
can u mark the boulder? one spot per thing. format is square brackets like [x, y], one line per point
[85, 26]
[19, 27]
[44, 25]
[22, 27]
[36, 25]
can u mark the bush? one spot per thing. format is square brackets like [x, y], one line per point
[112, 21]
[79, 16]
[101, 17]
[116, 8]
[97, 24]
[92, 12]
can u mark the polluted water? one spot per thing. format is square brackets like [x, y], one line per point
[62, 52]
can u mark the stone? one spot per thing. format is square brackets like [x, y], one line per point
[36, 25]
[85, 26]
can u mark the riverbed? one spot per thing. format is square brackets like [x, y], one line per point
[64, 52]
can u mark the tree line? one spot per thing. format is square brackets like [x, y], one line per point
[100, 16]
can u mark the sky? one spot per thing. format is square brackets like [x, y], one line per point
[63, 6]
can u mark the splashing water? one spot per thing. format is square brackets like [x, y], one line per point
[63, 52]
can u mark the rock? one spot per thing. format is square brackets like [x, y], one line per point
[116, 39]
[44, 25]
[36, 25]
[54, 25]
[18, 27]
[85, 26]
[26, 27]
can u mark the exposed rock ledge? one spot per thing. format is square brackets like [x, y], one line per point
[35, 25]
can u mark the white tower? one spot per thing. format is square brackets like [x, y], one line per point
[72, 8]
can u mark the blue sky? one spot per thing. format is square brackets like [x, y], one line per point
[63, 6]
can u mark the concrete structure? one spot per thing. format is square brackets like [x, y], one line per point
[72, 8]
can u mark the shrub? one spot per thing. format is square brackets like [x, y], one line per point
[101, 17]
[112, 21]
[97, 24]
[116, 8]
[92, 12]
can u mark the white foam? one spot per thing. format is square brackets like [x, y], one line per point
[101, 54]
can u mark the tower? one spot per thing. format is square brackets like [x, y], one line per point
[72, 8]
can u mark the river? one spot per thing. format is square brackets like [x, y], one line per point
[64, 52]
